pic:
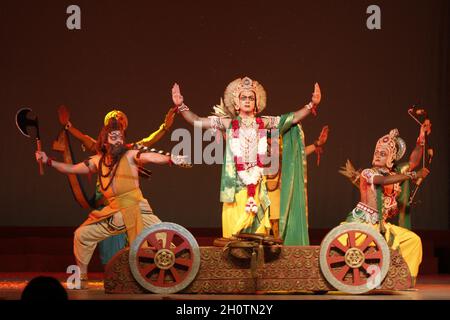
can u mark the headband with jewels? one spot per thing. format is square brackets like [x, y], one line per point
[394, 145]
[119, 116]
[234, 89]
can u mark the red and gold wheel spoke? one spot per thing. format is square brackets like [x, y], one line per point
[369, 239]
[153, 242]
[341, 274]
[169, 238]
[183, 262]
[335, 259]
[161, 276]
[184, 245]
[147, 270]
[351, 238]
[146, 253]
[177, 277]
[357, 277]
[374, 255]
[337, 244]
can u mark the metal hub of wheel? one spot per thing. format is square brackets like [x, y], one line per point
[354, 258]
[164, 258]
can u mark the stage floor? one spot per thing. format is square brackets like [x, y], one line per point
[429, 287]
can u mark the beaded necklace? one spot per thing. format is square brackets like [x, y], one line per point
[111, 173]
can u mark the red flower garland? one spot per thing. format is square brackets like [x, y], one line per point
[251, 188]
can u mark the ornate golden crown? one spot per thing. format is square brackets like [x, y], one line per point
[234, 89]
[394, 145]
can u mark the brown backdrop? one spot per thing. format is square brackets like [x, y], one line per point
[129, 53]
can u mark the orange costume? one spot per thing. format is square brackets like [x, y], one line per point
[127, 210]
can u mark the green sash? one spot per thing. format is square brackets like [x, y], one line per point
[404, 216]
[293, 200]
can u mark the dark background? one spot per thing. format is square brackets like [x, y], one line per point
[128, 54]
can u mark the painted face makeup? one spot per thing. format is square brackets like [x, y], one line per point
[247, 101]
[115, 137]
[380, 157]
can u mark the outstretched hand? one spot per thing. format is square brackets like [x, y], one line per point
[181, 161]
[317, 95]
[63, 115]
[323, 137]
[177, 98]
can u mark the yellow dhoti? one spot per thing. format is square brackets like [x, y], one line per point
[406, 241]
[235, 219]
[274, 211]
[128, 204]
[409, 244]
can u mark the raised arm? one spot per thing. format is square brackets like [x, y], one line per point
[86, 140]
[417, 153]
[80, 168]
[415, 157]
[163, 128]
[323, 137]
[187, 114]
[310, 107]
[64, 119]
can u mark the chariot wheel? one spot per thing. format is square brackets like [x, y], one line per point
[354, 258]
[164, 258]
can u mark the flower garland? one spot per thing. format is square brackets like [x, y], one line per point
[249, 173]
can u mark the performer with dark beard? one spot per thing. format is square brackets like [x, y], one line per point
[110, 246]
[127, 209]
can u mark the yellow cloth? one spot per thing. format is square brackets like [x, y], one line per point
[154, 137]
[274, 209]
[235, 218]
[125, 198]
[405, 240]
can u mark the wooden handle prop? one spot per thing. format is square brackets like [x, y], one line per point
[41, 165]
